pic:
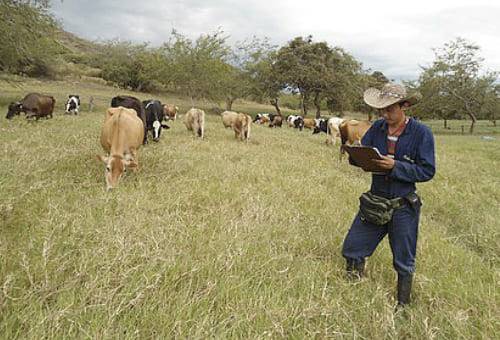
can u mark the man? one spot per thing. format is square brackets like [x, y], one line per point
[407, 147]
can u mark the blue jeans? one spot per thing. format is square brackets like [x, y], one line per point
[364, 237]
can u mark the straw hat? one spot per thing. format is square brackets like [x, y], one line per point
[390, 94]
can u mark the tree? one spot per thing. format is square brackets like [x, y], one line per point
[28, 38]
[346, 87]
[306, 68]
[196, 68]
[237, 80]
[454, 83]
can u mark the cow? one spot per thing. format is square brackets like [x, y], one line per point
[33, 105]
[330, 127]
[154, 118]
[241, 127]
[229, 118]
[277, 121]
[73, 104]
[290, 119]
[262, 118]
[309, 123]
[121, 136]
[132, 103]
[351, 132]
[170, 111]
[298, 123]
[195, 121]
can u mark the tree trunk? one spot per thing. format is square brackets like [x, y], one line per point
[445, 124]
[474, 120]
[229, 104]
[317, 104]
[472, 117]
[494, 122]
[303, 107]
[274, 102]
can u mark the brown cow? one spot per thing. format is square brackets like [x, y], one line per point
[241, 126]
[309, 123]
[33, 105]
[170, 111]
[195, 121]
[276, 122]
[121, 135]
[229, 118]
[351, 132]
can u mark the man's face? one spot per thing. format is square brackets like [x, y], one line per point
[392, 114]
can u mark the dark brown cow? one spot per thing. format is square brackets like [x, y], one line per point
[33, 105]
[135, 104]
[276, 122]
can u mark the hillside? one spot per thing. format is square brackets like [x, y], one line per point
[223, 239]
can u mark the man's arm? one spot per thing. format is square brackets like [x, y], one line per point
[424, 167]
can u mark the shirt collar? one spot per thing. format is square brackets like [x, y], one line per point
[408, 128]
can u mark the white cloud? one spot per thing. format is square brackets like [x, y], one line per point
[394, 37]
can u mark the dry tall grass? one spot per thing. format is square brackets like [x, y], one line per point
[218, 238]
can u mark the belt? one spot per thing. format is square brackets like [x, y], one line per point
[398, 202]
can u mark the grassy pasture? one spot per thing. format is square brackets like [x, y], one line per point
[218, 238]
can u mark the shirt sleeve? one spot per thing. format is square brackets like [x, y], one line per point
[424, 167]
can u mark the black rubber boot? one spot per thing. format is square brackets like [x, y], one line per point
[355, 270]
[404, 290]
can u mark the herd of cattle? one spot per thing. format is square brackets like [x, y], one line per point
[128, 122]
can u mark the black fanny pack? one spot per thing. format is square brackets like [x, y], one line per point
[379, 210]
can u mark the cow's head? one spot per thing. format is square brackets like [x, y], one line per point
[14, 109]
[320, 126]
[299, 123]
[72, 103]
[116, 166]
[157, 127]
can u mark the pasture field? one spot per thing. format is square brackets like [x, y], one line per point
[217, 238]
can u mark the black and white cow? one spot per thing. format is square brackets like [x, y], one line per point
[73, 104]
[331, 127]
[295, 121]
[154, 118]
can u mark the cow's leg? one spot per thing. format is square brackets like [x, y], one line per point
[133, 153]
[145, 140]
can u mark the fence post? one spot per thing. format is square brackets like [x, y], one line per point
[91, 104]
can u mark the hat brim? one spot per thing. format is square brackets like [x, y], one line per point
[372, 98]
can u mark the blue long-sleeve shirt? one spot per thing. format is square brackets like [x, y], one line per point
[414, 158]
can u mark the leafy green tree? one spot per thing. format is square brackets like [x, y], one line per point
[491, 107]
[28, 38]
[196, 68]
[242, 61]
[305, 67]
[345, 89]
[454, 83]
[265, 83]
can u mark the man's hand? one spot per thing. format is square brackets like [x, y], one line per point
[385, 163]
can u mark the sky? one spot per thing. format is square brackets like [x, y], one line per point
[394, 37]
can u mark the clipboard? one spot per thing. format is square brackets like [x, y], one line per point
[362, 156]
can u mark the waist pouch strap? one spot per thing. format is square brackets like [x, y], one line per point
[378, 210]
